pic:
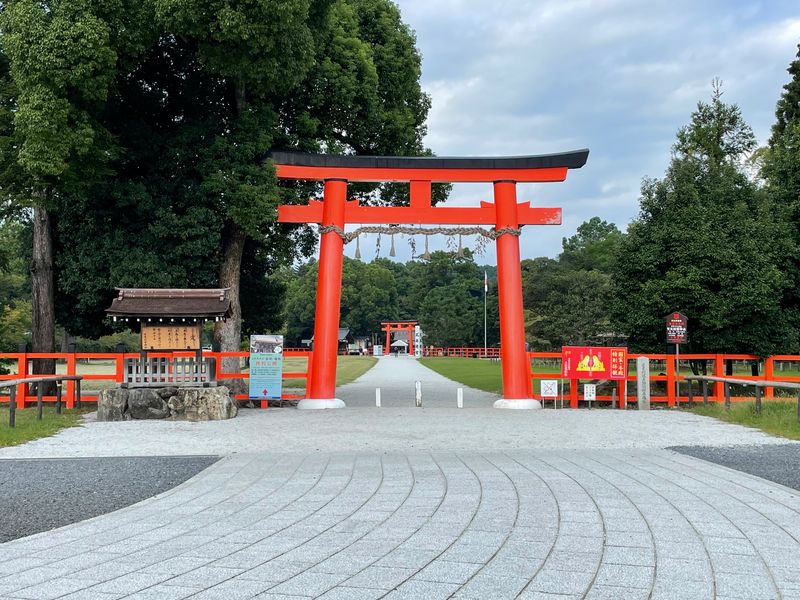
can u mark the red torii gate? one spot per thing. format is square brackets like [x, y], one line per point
[507, 216]
[391, 326]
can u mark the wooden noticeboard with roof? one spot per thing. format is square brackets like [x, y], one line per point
[170, 320]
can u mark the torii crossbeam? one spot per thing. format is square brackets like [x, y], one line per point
[507, 216]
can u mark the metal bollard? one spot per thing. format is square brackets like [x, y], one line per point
[460, 397]
[378, 397]
[58, 397]
[12, 407]
[758, 401]
[39, 391]
[418, 394]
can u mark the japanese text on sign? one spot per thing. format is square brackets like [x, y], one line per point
[266, 366]
[589, 362]
[677, 324]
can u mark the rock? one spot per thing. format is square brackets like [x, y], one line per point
[146, 403]
[176, 407]
[167, 392]
[191, 404]
[205, 404]
[112, 405]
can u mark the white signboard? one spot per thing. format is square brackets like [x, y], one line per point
[549, 388]
[417, 342]
[377, 350]
[590, 391]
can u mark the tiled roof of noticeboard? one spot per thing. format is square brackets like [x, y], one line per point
[171, 303]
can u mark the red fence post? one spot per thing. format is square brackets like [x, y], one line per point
[71, 370]
[719, 371]
[22, 373]
[573, 393]
[671, 360]
[769, 375]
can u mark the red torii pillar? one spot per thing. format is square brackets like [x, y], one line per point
[507, 216]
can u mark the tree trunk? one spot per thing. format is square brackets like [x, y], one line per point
[228, 334]
[42, 291]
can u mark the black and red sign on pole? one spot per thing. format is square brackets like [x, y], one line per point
[676, 328]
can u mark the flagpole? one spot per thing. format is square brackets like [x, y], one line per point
[485, 289]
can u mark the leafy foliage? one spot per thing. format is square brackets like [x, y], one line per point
[707, 242]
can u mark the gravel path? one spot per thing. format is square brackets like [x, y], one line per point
[395, 376]
[519, 524]
[778, 463]
[392, 429]
[38, 495]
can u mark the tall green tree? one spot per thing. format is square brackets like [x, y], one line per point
[707, 242]
[61, 60]
[780, 167]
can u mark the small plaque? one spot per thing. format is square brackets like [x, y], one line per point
[590, 391]
[170, 337]
[549, 388]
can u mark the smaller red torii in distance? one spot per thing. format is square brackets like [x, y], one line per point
[507, 216]
[395, 326]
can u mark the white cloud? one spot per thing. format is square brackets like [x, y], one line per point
[617, 76]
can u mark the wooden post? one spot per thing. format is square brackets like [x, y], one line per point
[758, 400]
[705, 393]
[12, 406]
[39, 391]
[58, 397]
[78, 393]
[691, 393]
[727, 387]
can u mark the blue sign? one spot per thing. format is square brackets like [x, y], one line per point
[266, 366]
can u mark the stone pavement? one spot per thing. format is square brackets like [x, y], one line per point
[425, 503]
[520, 524]
[395, 375]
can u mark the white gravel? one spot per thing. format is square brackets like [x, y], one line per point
[393, 429]
[398, 426]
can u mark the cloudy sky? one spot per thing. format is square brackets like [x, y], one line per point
[618, 77]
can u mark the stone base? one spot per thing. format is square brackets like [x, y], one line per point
[310, 404]
[185, 404]
[523, 404]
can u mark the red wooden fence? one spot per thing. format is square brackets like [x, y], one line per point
[23, 369]
[716, 364]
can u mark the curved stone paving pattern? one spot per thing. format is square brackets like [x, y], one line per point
[522, 524]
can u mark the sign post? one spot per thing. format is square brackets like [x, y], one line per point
[266, 367]
[676, 334]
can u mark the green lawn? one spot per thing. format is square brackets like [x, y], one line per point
[473, 372]
[28, 428]
[777, 417]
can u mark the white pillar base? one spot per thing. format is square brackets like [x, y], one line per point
[311, 404]
[523, 404]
